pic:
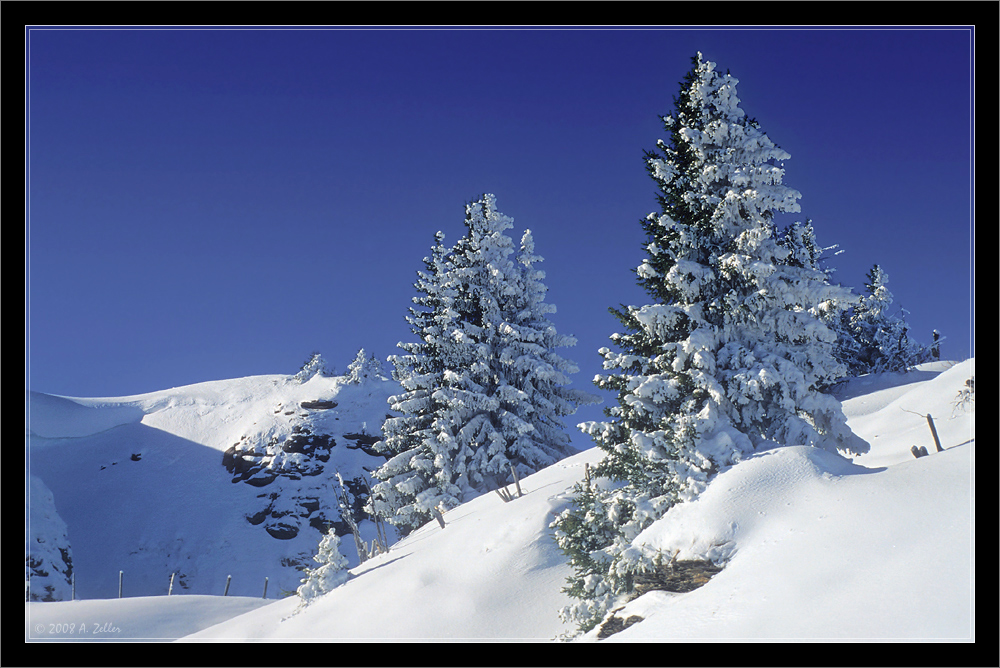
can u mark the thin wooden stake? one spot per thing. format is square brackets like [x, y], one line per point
[937, 441]
[121, 574]
[229, 578]
[170, 589]
[265, 589]
[517, 483]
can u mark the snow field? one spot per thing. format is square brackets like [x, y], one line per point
[817, 548]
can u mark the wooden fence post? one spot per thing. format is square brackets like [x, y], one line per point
[437, 516]
[937, 441]
[517, 483]
[170, 590]
[265, 588]
[121, 574]
[228, 579]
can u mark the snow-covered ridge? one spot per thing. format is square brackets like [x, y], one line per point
[211, 413]
[147, 484]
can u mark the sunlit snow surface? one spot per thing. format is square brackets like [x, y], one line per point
[817, 547]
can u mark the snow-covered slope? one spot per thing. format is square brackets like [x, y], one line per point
[142, 483]
[815, 547]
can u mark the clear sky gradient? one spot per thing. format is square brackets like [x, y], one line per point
[212, 204]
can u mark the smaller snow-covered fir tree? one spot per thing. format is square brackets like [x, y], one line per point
[417, 476]
[485, 390]
[363, 368]
[331, 573]
[881, 334]
[314, 365]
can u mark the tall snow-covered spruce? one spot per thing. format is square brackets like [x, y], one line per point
[729, 358]
[484, 389]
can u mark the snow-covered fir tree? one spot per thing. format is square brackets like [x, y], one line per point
[485, 389]
[363, 368]
[315, 364]
[726, 360]
[881, 333]
[331, 572]
[799, 239]
[417, 476]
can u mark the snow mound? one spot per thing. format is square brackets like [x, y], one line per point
[817, 548]
[892, 415]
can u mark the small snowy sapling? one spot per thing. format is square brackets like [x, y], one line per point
[331, 573]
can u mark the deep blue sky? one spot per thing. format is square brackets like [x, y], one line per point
[210, 204]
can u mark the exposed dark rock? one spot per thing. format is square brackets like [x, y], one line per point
[228, 457]
[257, 517]
[261, 481]
[676, 576]
[320, 523]
[613, 625]
[365, 443]
[319, 404]
[282, 531]
[295, 444]
[309, 505]
[238, 463]
[306, 442]
[363, 439]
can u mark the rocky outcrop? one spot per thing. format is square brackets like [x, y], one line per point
[253, 464]
[613, 625]
[365, 443]
[319, 404]
[289, 465]
[676, 576]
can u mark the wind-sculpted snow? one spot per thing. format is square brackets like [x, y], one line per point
[49, 416]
